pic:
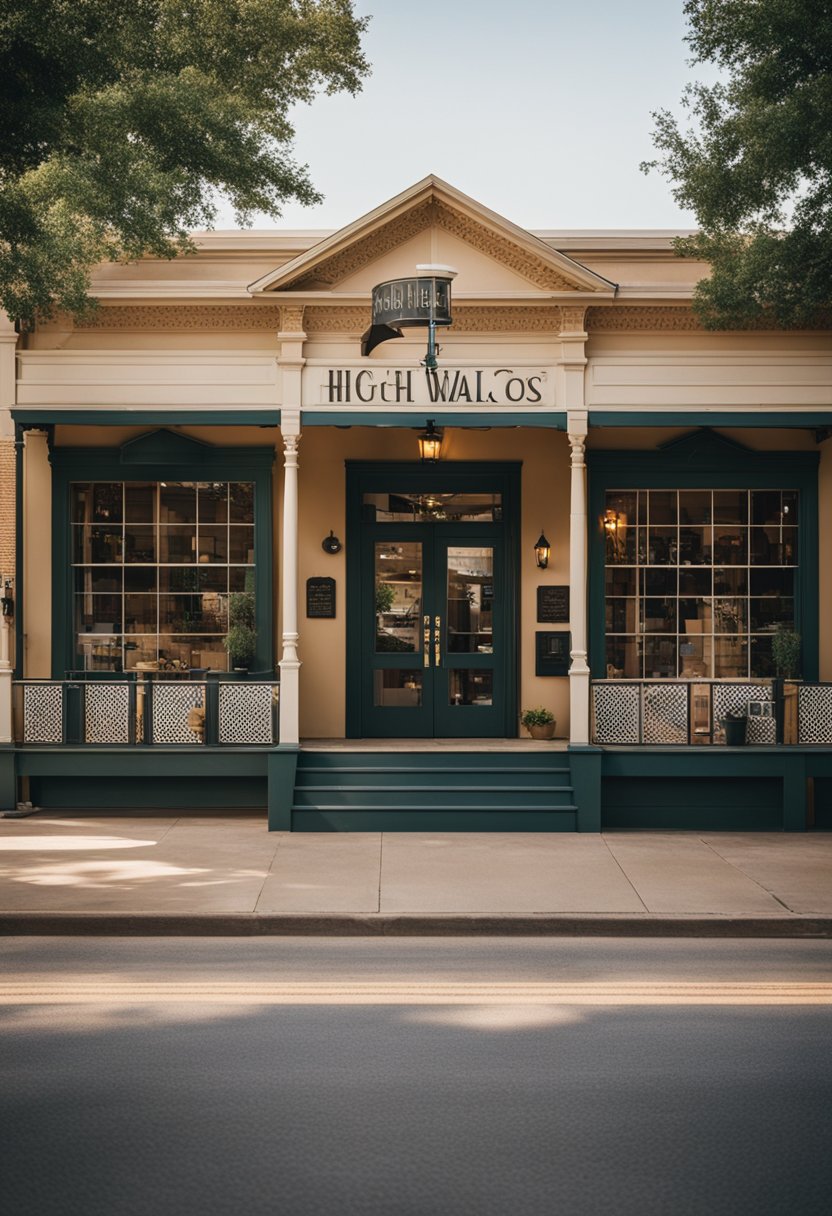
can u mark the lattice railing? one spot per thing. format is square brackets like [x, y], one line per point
[146, 712]
[683, 712]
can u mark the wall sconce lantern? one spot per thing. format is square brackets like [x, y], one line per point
[331, 544]
[430, 442]
[613, 531]
[542, 549]
[7, 600]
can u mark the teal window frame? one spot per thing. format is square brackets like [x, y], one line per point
[170, 457]
[707, 461]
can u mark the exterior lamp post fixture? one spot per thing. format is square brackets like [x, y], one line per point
[542, 550]
[430, 443]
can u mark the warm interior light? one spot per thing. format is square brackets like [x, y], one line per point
[542, 549]
[430, 442]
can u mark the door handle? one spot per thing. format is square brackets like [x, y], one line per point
[426, 640]
[437, 641]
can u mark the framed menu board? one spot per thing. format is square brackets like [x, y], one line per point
[553, 605]
[320, 597]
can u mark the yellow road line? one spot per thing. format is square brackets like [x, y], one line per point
[72, 992]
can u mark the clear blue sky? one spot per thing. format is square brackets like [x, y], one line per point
[540, 109]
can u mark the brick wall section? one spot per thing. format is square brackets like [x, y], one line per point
[7, 506]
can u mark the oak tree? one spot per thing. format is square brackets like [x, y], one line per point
[755, 164]
[125, 120]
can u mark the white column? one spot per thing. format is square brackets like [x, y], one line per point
[579, 669]
[8, 347]
[289, 661]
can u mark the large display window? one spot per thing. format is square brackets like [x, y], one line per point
[697, 581]
[159, 547]
[699, 550]
[153, 566]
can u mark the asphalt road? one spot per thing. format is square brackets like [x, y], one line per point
[504, 1076]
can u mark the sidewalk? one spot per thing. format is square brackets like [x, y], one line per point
[226, 874]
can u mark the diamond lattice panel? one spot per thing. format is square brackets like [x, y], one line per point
[171, 706]
[814, 714]
[665, 713]
[616, 713]
[246, 713]
[733, 699]
[107, 713]
[43, 718]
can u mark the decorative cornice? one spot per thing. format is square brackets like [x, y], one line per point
[160, 317]
[501, 249]
[435, 212]
[370, 247]
[616, 318]
[483, 320]
[292, 318]
[340, 319]
[573, 319]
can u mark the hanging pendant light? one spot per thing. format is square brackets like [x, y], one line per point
[430, 443]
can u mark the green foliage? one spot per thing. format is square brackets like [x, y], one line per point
[536, 717]
[124, 119]
[785, 652]
[756, 165]
[385, 595]
[241, 639]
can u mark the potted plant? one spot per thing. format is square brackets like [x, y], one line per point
[540, 722]
[241, 639]
[734, 723]
[785, 653]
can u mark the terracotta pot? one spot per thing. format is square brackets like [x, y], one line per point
[547, 731]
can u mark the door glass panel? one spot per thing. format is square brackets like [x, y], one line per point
[471, 687]
[427, 507]
[470, 600]
[400, 688]
[398, 597]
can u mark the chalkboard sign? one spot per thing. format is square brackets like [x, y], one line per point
[320, 597]
[551, 653]
[553, 605]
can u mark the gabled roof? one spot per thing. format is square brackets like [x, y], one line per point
[432, 203]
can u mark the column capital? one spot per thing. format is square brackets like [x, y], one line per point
[290, 426]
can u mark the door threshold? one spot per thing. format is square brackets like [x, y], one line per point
[434, 745]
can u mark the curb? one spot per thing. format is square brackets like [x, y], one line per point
[250, 924]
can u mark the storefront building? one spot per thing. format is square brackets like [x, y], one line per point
[210, 475]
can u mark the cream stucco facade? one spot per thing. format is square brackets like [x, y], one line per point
[585, 341]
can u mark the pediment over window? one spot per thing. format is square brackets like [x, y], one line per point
[163, 447]
[435, 223]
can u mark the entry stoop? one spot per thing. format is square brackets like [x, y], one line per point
[414, 791]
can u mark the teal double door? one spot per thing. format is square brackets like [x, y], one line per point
[431, 621]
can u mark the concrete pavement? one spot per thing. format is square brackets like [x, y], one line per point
[226, 873]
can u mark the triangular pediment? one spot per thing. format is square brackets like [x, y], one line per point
[703, 444]
[163, 447]
[434, 222]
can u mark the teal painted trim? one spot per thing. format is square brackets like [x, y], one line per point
[18, 551]
[586, 765]
[127, 417]
[184, 761]
[432, 821]
[795, 795]
[8, 779]
[733, 418]
[703, 462]
[105, 464]
[282, 767]
[377, 476]
[555, 420]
